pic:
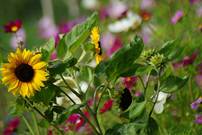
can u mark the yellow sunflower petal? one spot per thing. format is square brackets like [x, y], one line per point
[13, 85]
[35, 59]
[24, 89]
[39, 65]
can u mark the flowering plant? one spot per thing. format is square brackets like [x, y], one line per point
[72, 94]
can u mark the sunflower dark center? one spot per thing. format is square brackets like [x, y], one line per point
[24, 72]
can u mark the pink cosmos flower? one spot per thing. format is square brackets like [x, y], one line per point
[107, 106]
[138, 93]
[177, 17]
[193, 1]
[129, 82]
[111, 43]
[75, 122]
[187, 60]
[117, 9]
[198, 119]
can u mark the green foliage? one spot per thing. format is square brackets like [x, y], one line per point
[122, 60]
[58, 67]
[173, 83]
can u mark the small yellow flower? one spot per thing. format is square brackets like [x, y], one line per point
[95, 39]
[24, 73]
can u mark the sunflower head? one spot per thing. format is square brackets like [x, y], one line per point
[24, 73]
[95, 39]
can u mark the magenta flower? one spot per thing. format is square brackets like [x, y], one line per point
[107, 106]
[103, 14]
[198, 119]
[129, 82]
[11, 126]
[187, 60]
[13, 26]
[177, 17]
[75, 122]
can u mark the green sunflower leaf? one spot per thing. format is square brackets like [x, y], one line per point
[121, 61]
[77, 36]
[47, 49]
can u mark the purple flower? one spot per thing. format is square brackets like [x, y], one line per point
[196, 103]
[198, 119]
[47, 28]
[177, 17]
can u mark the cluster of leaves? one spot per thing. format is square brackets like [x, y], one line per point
[125, 62]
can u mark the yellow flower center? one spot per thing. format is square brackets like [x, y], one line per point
[14, 28]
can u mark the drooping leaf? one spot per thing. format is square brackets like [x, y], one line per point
[152, 127]
[172, 83]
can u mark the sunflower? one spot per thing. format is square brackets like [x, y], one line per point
[24, 73]
[95, 39]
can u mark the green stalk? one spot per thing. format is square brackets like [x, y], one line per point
[35, 123]
[28, 125]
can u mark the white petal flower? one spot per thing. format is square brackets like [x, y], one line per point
[159, 106]
[90, 4]
[132, 21]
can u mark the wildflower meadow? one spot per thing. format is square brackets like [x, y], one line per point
[101, 67]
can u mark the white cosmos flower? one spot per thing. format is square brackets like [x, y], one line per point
[132, 21]
[159, 106]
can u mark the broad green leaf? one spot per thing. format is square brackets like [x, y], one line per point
[172, 83]
[130, 71]
[58, 67]
[121, 60]
[45, 95]
[47, 49]
[49, 114]
[77, 36]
